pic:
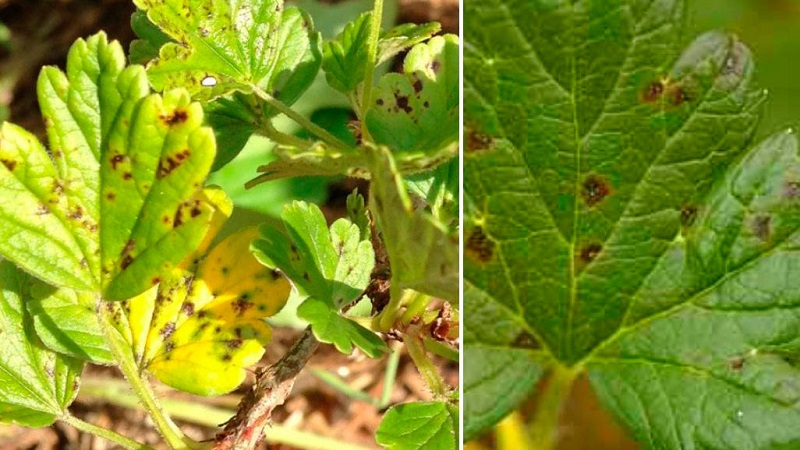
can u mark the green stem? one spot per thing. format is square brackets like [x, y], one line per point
[416, 306]
[104, 433]
[389, 379]
[269, 131]
[114, 392]
[320, 132]
[387, 318]
[544, 428]
[413, 341]
[372, 60]
[127, 364]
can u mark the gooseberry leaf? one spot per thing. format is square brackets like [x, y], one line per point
[428, 425]
[418, 109]
[423, 254]
[115, 200]
[402, 37]
[36, 384]
[151, 39]
[345, 58]
[66, 322]
[332, 266]
[203, 326]
[221, 47]
[439, 189]
[618, 221]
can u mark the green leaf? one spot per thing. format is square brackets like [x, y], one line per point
[619, 219]
[439, 188]
[418, 109]
[36, 384]
[234, 119]
[332, 266]
[428, 425]
[117, 203]
[345, 58]
[66, 322]
[151, 39]
[402, 37]
[423, 255]
[221, 47]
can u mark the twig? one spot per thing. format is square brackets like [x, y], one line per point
[273, 385]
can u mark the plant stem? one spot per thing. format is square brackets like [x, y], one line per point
[412, 338]
[387, 318]
[104, 433]
[389, 378]
[416, 305]
[269, 131]
[114, 392]
[544, 428]
[320, 132]
[372, 59]
[127, 365]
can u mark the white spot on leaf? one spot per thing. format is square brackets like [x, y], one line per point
[209, 81]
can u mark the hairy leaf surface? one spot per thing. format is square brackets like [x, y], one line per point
[618, 219]
[36, 384]
[428, 425]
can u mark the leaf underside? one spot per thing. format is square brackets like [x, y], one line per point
[619, 219]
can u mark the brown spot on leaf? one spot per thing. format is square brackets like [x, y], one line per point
[402, 103]
[10, 164]
[417, 86]
[111, 196]
[127, 176]
[42, 209]
[379, 102]
[233, 344]
[436, 66]
[126, 261]
[762, 226]
[116, 160]
[76, 213]
[736, 363]
[227, 357]
[155, 280]
[653, 92]
[178, 116]
[167, 331]
[595, 189]
[479, 247]
[477, 141]
[792, 189]
[187, 308]
[688, 215]
[590, 252]
[242, 304]
[679, 96]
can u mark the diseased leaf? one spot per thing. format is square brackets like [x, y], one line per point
[66, 322]
[428, 425]
[118, 201]
[439, 188]
[618, 220]
[402, 37]
[36, 384]
[345, 58]
[418, 109]
[423, 255]
[332, 266]
[221, 47]
[203, 327]
[151, 39]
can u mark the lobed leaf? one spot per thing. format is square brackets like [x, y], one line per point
[221, 47]
[429, 425]
[36, 384]
[117, 202]
[332, 266]
[617, 221]
[403, 37]
[423, 255]
[418, 109]
[345, 58]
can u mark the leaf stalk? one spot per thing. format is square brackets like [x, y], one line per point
[109, 435]
[544, 427]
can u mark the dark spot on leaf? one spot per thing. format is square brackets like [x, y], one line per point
[238, 332]
[168, 347]
[126, 261]
[178, 219]
[165, 220]
[227, 357]
[590, 252]
[241, 305]
[217, 329]
[127, 176]
[679, 96]
[525, 340]
[195, 211]
[116, 160]
[379, 102]
[435, 66]
[187, 308]
[306, 277]
[653, 92]
[476, 141]
[479, 246]
[201, 315]
[178, 116]
[275, 274]
[76, 213]
[155, 280]
[233, 344]
[42, 209]
[225, 270]
[426, 104]
[762, 226]
[595, 189]
[167, 331]
[111, 196]
[10, 165]
[736, 363]
[417, 85]
[402, 103]
[688, 215]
